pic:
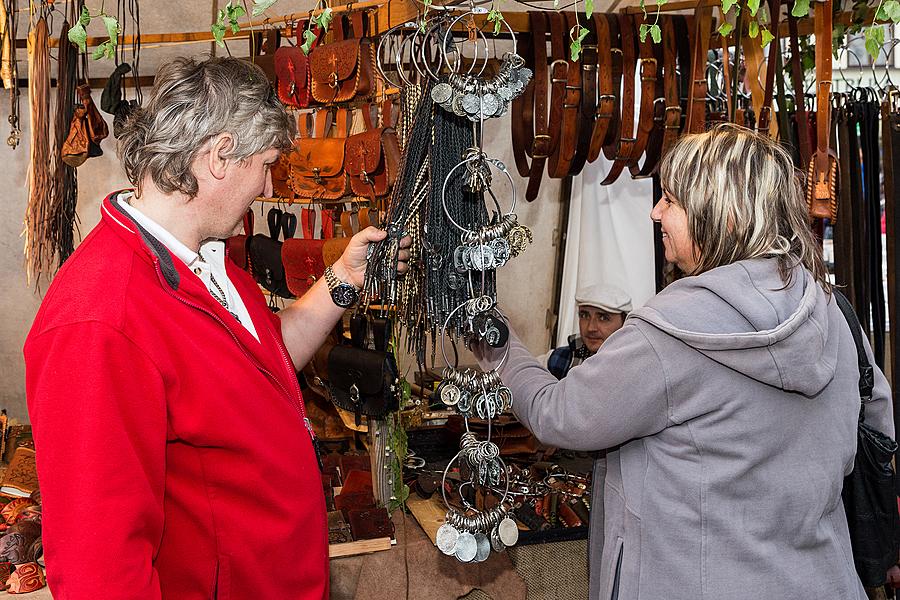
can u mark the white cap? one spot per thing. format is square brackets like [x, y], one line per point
[607, 298]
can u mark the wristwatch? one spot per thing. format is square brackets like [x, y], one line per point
[343, 294]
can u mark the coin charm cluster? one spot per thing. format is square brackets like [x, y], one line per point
[471, 96]
[471, 537]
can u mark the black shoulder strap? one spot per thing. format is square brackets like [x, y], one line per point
[866, 372]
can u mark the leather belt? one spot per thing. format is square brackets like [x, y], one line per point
[618, 63]
[801, 118]
[765, 113]
[522, 113]
[589, 64]
[609, 72]
[844, 272]
[536, 134]
[822, 172]
[890, 128]
[696, 117]
[565, 95]
[655, 102]
[622, 149]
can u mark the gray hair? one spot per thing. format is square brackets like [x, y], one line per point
[743, 199]
[193, 102]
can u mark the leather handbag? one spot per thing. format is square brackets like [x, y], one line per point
[281, 179]
[236, 245]
[264, 252]
[86, 131]
[344, 69]
[870, 492]
[302, 258]
[372, 158]
[263, 45]
[317, 163]
[292, 71]
[361, 380]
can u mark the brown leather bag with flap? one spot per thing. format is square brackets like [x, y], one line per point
[317, 163]
[343, 69]
[373, 157]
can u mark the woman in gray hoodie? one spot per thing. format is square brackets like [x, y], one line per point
[729, 403]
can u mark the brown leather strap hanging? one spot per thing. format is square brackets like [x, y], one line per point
[623, 147]
[800, 115]
[671, 90]
[522, 113]
[609, 77]
[764, 117]
[696, 117]
[566, 96]
[653, 102]
[542, 143]
[822, 174]
[588, 61]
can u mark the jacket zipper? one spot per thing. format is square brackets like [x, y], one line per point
[298, 404]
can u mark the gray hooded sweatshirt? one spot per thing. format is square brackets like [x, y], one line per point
[729, 404]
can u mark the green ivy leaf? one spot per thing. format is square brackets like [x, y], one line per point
[753, 29]
[643, 31]
[85, 18]
[100, 51]
[308, 38]
[767, 37]
[575, 46]
[588, 8]
[753, 5]
[874, 40]
[218, 32]
[727, 4]
[261, 6]
[234, 11]
[892, 9]
[78, 36]
[324, 19]
[495, 17]
[801, 8]
[656, 33]
[725, 29]
[112, 28]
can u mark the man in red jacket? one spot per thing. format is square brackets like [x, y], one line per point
[174, 455]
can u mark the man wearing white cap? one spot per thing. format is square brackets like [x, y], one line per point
[601, 312]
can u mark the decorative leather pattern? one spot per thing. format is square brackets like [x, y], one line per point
[341, 70]
[292, 76]
[303, 263]
[317, 168]
[26, 578]
[372, 161]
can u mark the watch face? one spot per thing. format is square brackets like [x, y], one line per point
[344, 295]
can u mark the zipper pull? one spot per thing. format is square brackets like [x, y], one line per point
[315, 444]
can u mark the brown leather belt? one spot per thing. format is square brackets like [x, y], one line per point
[822, 172]
[565, 82]
[676, 48]
[765, 113]
[622, 149]
[608, 141]
[651, 123]
[696, 118]
[804, 148]
[523, 110]
[608, 63]
[589, 63]
[531, 116]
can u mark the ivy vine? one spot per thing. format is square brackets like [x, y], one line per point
[78, 33]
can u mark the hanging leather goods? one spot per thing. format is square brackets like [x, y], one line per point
[86, 131]
[264, 252]
[113, 101]
[263, 46]
[822, 173]
[764, 117]
[317, 163]
[292, 71]
[343, 69]
[303, 260]
[373, 157]
[696, 117]
[236, 245]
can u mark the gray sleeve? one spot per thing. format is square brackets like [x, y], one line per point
[617, 395]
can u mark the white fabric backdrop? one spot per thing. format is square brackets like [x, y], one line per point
[610, 240]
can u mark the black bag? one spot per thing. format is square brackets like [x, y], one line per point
[869, 494]
[264, 253]
[362, 380]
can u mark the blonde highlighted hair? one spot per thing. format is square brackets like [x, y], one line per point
[743, 200]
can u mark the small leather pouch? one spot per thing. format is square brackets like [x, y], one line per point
[317, 163]
[373, 158]
[363, 381]
[236, 245]
[303, 264]
[344, 69]
[357, 500]
[292, 76]
[75, 148]
[370, 523]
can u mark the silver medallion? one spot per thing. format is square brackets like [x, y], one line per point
[446, 539]
[482, 257]
[509, 533]
[483, 547]
[505, 93]
[470, 104]
[450, 395]
[466, 547]
[441, 92]
[458, 109]
[489, 105]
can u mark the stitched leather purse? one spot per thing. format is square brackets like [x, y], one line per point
[317, 163]
[292, 71]
[343, 69]
[373, 157]
[236, 245]
[281, 178]
[302, 258]
[363, 381]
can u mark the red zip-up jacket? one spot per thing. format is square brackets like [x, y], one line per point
[173, 453]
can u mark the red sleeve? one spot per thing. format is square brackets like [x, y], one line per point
[98, 413]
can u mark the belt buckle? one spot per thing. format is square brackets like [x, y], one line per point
[543, 137]
[644, 65]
